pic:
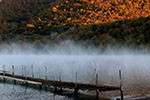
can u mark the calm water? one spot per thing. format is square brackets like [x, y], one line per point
[17, 92]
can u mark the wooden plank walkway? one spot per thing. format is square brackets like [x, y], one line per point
[60, 84]
[70, 85]
[20, 80]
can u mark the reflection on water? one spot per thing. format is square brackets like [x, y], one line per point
[16, 92]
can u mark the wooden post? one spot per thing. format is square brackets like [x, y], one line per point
[121, 88]
[22, 71]
[60, 81]
[59, 77]
[76, 87]
[13, 72]
[14, 81]
[32, 71]
[76, 78]
[55, 88]
[95, 75]
[96, 80]
[25, 73]
[39, 73]
[96, 83]
[40, 87]
[26, 83]
[3, 66]
[97, 91]
[76, 91]
[45, 73]
[46, 87]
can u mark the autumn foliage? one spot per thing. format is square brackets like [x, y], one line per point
[83, 12]
[87, 22]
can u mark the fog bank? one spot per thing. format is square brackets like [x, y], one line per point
[66, 61]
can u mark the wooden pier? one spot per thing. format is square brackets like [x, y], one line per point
[5, 75]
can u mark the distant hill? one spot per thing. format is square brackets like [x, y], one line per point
[88, 22]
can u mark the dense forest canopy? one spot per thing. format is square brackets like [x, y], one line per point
[16, 14]
[87, 22]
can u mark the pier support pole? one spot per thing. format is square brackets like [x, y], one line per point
[22, 71]
[76, 78]
[60, 82]
[3, 66]
[46, 78]
[25, 74]
[97, 91]
[76, 90]
[32, 71]
[13, 72]
[39, 72]
[46, 88]
[55, 88]
[96, 83]
[45, 73]
[76, 87]
[26, 83]
[40, 87]
[121, 88]
[97, 94]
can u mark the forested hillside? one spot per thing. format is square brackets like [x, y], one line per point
[16, 14]
[86, 22]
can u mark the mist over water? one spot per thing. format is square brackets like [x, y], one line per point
[66, 61]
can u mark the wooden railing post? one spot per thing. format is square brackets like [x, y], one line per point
[121, 88]
[45, 73]
[22, 71]
[97, 91]
[60, 82]
[25, 73]
[32, 71]
[76, 87]
[39, 72]
[96, 80]
[13, 73]
[3, 66]
[13, 70]
[76, 78]
[59, 77]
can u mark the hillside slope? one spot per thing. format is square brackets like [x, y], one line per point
[73, 13]
[87, 22]
[16, 14]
